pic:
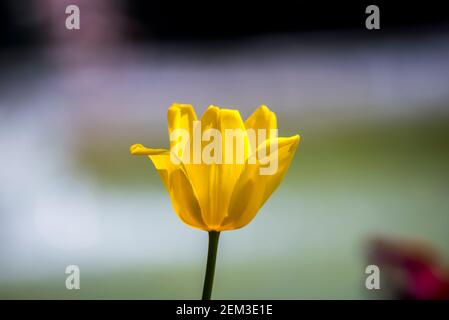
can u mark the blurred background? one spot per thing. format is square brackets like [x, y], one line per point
[369, 181]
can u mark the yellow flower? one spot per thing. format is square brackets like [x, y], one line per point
[220, 196]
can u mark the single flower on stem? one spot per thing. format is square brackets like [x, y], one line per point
[220, 195]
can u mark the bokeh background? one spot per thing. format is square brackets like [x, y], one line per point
[371, 107]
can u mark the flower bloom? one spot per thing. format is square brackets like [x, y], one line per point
[221, 196]
[414, 269]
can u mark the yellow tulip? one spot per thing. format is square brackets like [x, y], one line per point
[219, 197]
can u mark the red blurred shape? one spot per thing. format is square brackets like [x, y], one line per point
[411, 269]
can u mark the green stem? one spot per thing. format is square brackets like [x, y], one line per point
[210, 267]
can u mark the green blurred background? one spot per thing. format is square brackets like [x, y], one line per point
[372, 162]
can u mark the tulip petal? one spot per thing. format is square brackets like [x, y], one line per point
[182, 194]
[261, 118]
[164, 167]
[184, 200]
[224, 177]
[201, 174]
[181, 116]
[253, 189]
[214, 182]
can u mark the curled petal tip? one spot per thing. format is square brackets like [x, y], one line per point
[138, 149]
[180, 106]
[211, 109]
[134, 149]
[291, 142]
[296, 138]
[176, 105]
[264, 107]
